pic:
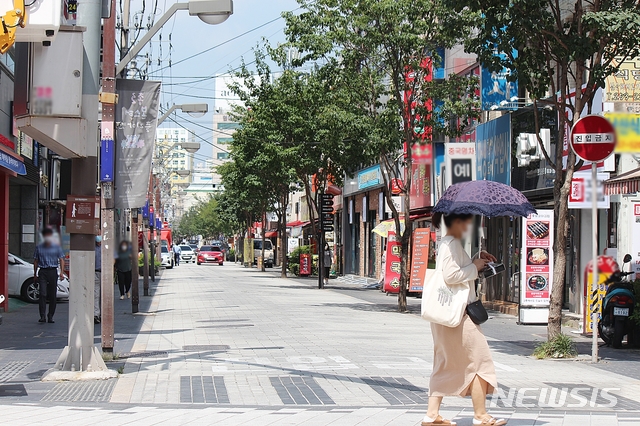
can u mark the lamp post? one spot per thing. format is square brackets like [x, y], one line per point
[194, 110]
[212, 12]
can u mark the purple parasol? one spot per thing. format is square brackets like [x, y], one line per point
[484, 197]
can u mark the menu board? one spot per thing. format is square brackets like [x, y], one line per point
[419, 258]
[537, 258]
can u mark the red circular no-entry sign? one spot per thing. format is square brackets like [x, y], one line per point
[593, 138]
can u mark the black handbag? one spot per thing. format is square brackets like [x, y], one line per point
[476, 310]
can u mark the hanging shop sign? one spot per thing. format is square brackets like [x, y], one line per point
[369, 177]
[497, 90]
[460, 162]
[627, 131]
[537, 274]
[393, 265]
[581, 190]
[624, 85]
[493, 149]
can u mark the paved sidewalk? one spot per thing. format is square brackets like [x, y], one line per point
[234, 346]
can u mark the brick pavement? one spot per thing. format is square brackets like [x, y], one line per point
[227, 345]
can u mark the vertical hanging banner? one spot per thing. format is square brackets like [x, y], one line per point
[136, 122]
[393, 265]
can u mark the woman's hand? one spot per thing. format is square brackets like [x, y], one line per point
[480, 264]
[487, 256]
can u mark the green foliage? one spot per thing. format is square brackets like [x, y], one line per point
[231, 255]
[379, 53]
[559, 346]
[209, 218]
[157, 263]
[635, 317]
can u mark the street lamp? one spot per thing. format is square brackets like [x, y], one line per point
[194, 110]
[209, 11]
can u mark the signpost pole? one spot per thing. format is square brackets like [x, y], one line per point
[595, 274]
[321, 245]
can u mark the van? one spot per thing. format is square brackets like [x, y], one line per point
[268, 252]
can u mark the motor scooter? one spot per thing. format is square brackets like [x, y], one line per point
[617, 307]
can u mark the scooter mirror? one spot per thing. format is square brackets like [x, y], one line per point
[627, 258]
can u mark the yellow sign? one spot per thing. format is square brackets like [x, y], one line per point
[627, 131]
[594, 301]
[624, 86]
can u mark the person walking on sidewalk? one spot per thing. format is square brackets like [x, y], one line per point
[124, 265]
[462, 363]
[327, 261]
[97, 281]
[48, 256]
[176, 254]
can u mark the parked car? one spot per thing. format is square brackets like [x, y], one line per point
[268, 252]
[187, 255]
[22, 284]
[194, 247]
[166, 257]
[210, 254]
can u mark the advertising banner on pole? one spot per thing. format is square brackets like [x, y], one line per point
[393, 264]
[136, 122]
[537, 273]
[493, 149]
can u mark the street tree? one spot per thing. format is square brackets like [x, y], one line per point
[561, 53]
[308, 126]
[385, 51]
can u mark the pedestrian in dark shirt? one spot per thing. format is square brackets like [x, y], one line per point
[124, 265]
[48, 257]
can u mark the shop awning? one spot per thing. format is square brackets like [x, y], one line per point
[12, 162]
[626, 183]
[271, 234]
[297, 223]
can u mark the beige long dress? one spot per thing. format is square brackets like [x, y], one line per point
[459, 353]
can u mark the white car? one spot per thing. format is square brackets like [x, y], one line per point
[21, 283]
[187, 255]
[166, 257]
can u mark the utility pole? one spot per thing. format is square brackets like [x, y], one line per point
[109, 101]
[80, 354]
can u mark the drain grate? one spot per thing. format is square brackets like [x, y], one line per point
[397, 390]
[203, 390]
[199, 348]
[153, 354]
[12, 369]
[98, 391]
[300, 391]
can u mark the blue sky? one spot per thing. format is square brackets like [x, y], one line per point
[189, 36]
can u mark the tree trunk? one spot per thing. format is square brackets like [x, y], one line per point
[264, 224]
[284, 242]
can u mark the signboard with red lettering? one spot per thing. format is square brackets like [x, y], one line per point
[393, 265]
[83, 215]
[593, 138]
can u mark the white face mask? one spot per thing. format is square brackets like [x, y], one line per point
[467, 233]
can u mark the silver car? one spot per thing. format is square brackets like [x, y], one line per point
[187, 254]
[22, 284]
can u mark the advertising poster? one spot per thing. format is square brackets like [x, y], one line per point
[420, 191]
[493, 149]
[537, 258]
[497, 91]
[137, 118]
[419, 258]
[460, 160]
[393, 265]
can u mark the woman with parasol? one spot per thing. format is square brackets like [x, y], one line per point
[462, 362]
